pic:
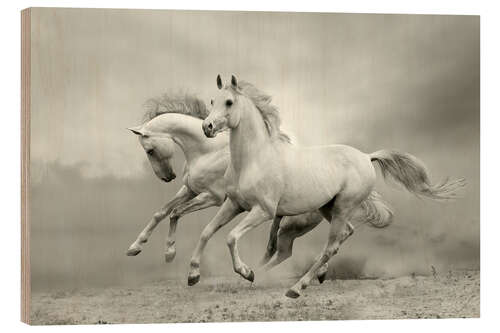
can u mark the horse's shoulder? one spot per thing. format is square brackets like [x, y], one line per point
[216, 158]
[212, 162]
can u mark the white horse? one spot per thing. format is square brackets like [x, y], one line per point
[270, 178]
[176, 119]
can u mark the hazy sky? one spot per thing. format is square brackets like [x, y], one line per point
[370, 80]
[408, 82]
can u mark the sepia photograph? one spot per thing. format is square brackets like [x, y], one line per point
[184, 166]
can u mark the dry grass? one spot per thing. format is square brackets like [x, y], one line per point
[454, 294]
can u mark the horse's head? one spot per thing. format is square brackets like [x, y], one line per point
[224, 112]
[160, 150]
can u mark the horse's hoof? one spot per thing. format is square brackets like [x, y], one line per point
[193, 279]
[133, 251]
[292, 293]
[169, 256]
[322, 278]
[250, 276]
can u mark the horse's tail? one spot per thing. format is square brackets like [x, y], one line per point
[375, 211]
[411, 173]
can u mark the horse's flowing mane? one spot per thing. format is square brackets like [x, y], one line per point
[178, 102]
[269, 112]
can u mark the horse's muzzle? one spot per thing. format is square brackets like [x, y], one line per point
[208, 129]
[169, 178]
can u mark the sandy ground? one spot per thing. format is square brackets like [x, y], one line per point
[232, 299]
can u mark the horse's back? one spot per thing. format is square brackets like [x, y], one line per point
[315, 175]
[332, 160]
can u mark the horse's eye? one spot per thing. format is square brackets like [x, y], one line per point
[150, 152]
[229, 102]
[212, 102]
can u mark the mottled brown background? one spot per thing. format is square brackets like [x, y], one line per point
[408, 82]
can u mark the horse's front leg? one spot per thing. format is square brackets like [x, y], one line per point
[254, 218]
[226, 213]
[201, 201]
[184, 194]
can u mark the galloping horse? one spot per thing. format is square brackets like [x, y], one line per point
[175, 119]
[271, 178]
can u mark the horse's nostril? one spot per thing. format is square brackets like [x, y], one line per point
[210, 127]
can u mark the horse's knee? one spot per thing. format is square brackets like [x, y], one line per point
[175, 214]
[329, 252]
[350, 229]
[205, 236]
[231, 239]
[158, 216]
[347, 232]
[323, 269]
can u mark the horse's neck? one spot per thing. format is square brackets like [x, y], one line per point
[248, 138]
[187, 132]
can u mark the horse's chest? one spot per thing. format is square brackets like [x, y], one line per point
[252, 191]
[195, 183]
[237, 190]
[234, 193]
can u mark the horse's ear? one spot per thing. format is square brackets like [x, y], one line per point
[234, 82]
[137, 130]
[219, 82]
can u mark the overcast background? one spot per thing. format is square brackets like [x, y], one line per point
[406, 82]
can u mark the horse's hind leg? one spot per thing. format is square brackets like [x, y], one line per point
[183, 195]
[284, 245]
[323, 270]
[292, 227]
[340, 230]
[273, 240]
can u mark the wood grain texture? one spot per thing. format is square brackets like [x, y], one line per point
[25, 162]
